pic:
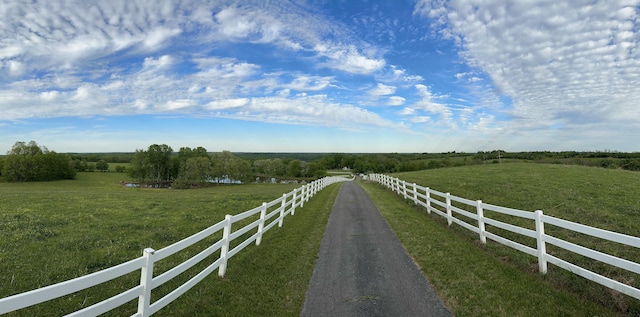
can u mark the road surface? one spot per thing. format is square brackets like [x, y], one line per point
[362, 269]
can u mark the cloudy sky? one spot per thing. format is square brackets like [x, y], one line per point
[321, 76]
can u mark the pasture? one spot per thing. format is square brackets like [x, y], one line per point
[602, 198]
[54, 231]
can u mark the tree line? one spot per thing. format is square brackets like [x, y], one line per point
[159, 165]
[27, 162]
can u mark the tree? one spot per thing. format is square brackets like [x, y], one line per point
[195, 171]
[102, 166]
[30, 162]
[154, 165]
[228, 166]
[159, 162]
[293, 169]
[140, 166]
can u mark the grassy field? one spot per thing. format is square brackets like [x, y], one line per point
[54, 231]
[596, 197]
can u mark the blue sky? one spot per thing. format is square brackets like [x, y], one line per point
[321, 76]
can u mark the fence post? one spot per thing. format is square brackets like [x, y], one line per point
[293, 202]
[415, 194]
[449, 215]
[282, 208]
[225, 246]
[483, 236]
[542, 248]
[315, 188]
[263, 214]
[146, 277]
[404, 189]
[428, 199]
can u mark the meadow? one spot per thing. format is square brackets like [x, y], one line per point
[54, 231]
[602, 198]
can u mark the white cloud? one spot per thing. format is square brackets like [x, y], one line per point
[561, 62]
[159, 36]
[16, 68]
[428, 104]
[227, 104]
[349, 59]
[50, 34]
[427, 109]
[382, 90]
[239, 24]
[180, 104]
[420, 119]
[309, 83]
[396, 101]
[163, 61]
[312, 109]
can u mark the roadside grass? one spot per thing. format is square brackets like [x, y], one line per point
[54, 231]
[602, 198]
[270, 279]
[470, 280]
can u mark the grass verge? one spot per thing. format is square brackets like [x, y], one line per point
[270, 279]
[471, 280]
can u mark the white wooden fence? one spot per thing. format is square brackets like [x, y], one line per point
[442, 204]
[285, 205]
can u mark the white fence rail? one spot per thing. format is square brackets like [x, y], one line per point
[441, 204]
[286, 205]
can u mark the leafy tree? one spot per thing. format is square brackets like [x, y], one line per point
[159, 162]
[227, 165]
[30, 162]
[277, 167]
[140, 166]
[102, 166]
[195, 171]
[316, 170]
[294, 169]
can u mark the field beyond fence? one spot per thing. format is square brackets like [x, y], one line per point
[594, 254]
[252, 225]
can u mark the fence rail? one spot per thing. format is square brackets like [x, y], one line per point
[441, 204]
[286, 205]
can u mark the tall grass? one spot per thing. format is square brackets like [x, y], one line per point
[55, 231]
[602, 198]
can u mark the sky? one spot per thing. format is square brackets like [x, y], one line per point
[321, 76]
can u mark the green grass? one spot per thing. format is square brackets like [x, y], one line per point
[602, 198]
[54, 231]
[470, 280]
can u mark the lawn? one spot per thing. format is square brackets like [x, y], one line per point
[602, 198]
[55, 231]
